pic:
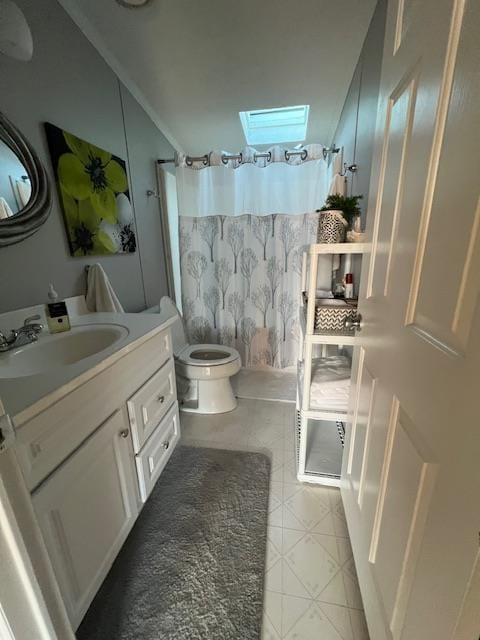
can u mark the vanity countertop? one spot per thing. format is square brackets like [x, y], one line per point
[26, 396]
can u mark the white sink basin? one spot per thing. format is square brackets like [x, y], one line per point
[61, 349]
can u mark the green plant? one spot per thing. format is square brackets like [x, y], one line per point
[347, 204]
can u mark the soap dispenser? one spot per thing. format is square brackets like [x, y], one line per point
[56, 312]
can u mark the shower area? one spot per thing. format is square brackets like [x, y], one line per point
[238, 230]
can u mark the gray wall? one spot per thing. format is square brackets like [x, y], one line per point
[356, 127]
[69, 84]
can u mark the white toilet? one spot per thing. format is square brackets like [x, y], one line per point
[203, 370]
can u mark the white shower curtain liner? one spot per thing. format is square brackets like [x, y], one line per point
[243, 227]
[259, 187]
[278, 188]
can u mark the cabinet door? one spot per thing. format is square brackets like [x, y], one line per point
[86, 509]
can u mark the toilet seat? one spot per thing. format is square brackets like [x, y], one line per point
[207, 355]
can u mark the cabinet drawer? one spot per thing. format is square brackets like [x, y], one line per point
[148, 406]
[47, 439]
[154, 456]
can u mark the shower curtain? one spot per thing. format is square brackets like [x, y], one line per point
[243, 226]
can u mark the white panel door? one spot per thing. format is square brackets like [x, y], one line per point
[410, 479]
[86, 509]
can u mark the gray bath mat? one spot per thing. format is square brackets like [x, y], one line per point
[193, 565]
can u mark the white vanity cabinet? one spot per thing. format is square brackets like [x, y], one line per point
[86, 510]
[92, 458]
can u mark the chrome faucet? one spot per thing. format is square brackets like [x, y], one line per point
[26, 334]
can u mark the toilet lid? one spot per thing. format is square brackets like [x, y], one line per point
[202, 355]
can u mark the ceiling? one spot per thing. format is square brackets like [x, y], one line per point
[194, 64]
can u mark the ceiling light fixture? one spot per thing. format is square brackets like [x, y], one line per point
[15, 35]
[133, 4]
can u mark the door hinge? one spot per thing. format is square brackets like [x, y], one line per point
[7, 432]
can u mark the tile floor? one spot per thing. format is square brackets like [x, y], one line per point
[311, 585]
[270, 384]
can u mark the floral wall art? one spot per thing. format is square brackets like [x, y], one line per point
[241, 283]
[93, 191]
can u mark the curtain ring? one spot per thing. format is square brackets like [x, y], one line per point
[224, 159]
[304, 154]
[188, 161]
[287, 155]
[206, 160]
[269, 157]
[241, 157]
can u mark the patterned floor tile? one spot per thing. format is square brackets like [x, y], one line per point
[303, 509]
[359, 625]
[268, 630]
[310, 563]
[274, 577]
[276, 496]
[290, 468]
[270, 385]
[277, 474]
[334, 592]
[272, 613]
[265, 433]
[275, 517]
[274, 545]
[340, 619]
[311, 586]
[305, 620]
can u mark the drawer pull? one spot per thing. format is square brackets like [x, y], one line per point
[161, 399]
[124, 433]
[166, 445]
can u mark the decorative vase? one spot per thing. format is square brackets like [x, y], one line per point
[332, 226]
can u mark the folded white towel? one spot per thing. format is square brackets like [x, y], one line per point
[100, 294]
[323, 293]
[5, 211]
[330, 383]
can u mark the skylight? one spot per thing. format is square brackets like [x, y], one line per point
[267, 126]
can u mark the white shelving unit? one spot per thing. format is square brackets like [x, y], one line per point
[319, 430]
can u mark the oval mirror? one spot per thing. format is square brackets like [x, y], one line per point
[25, 195]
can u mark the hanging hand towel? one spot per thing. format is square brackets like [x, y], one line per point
[100, 294]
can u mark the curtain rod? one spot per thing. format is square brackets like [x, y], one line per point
[226, 157]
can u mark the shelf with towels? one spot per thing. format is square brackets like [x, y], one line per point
[326, 397]
[323, 384]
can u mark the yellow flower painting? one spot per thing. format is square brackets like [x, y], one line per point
[93, 190]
